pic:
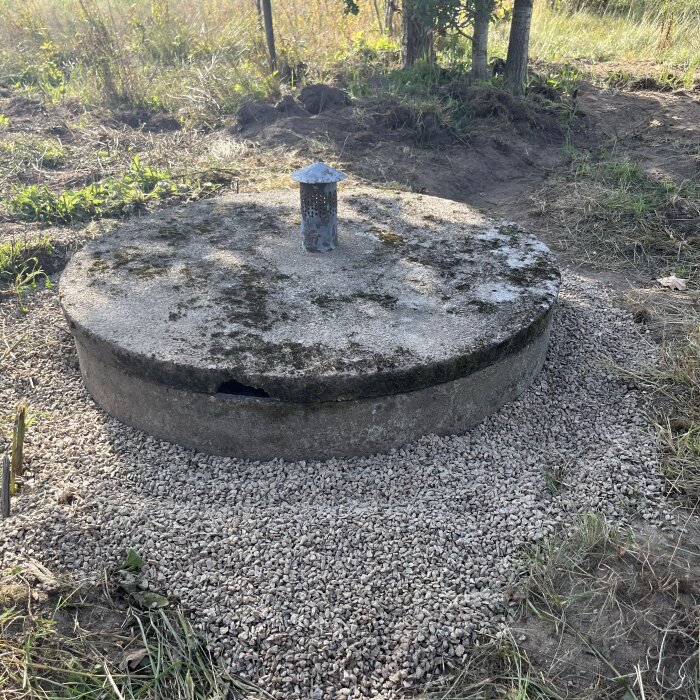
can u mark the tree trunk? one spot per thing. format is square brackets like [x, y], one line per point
[480, 42]
[378, 16]
[417, 41]
[269, 34]
[389, 17]
[518, 45]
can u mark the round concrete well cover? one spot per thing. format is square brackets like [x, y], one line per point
[216, 307]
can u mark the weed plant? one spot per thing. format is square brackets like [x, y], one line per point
[21, 269]
[110, 197]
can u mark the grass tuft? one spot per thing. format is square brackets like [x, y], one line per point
[498, 669]
[675, 385]
[21, 268]
[625, 217]
[58, 642]
[614, 613]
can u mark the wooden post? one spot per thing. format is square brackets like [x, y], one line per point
[5, 496]
[269, 34]
[17, 465]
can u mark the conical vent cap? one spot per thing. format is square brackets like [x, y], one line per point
[318, 174]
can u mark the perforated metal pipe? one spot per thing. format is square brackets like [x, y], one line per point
[319, 206]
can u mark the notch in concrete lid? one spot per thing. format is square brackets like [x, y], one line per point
[318, 174]
[319, 206]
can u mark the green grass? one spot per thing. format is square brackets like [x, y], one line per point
[613, 214]
[619, 33]
[45, 153]
[21, 268]
[109, 197]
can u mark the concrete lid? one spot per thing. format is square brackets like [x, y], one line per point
[318, 174]
[419, 291]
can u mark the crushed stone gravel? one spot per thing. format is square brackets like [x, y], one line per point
[350, 578]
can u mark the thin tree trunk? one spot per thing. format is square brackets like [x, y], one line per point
[518, 45]
[261, 21]
[417, 39]
[379, 16]
[389, 17]
[269, 34]
[480, 42]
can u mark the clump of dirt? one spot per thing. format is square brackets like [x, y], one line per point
[260, 112]
[147, 120]
[290, 107]
[423, 126]
[256, 112]
[318, 98]
[485, 103]
[19, 106]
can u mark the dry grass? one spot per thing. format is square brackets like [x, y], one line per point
[605, 614]
[498, 668]
[59, 641]
[674, 385]
[201, 61]
[595, 32]
[627, 600]
[613, 215]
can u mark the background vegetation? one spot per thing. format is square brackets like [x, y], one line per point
[202, 60]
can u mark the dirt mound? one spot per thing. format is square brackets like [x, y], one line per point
[492, 102]
[290, 107]
[256, 112]
[419, 125]
[318, 98]
[260, 112]
[18, 106]
[147, 120]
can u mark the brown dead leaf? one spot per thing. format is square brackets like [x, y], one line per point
[134, 658]
[673, 282]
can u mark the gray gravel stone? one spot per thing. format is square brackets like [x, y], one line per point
[349, 578]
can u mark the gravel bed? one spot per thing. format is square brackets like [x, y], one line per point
[349, 578]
